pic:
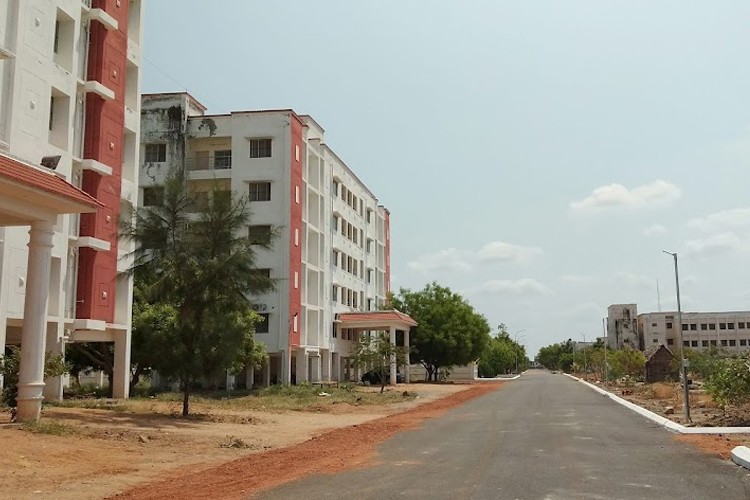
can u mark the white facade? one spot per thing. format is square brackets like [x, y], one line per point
[700, 330]
[44, 85]
[330, 253]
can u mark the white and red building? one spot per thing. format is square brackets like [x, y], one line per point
[69, 99]
[330, 258]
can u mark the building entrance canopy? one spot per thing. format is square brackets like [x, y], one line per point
[33, 196]
[381, 320]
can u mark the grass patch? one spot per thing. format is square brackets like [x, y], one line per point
[290, 397]
[50, 427]
[89, 404]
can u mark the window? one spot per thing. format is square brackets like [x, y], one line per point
[743, 342]
[704, 343]
[693, 327]
[704, 326]
[684, 327]
[656, 341]
[369, 304]
[724, 343]
[670, 341]
[335, 297]
[369, 275]
[730, 326]
[259, 235]
[223, 158]
[56, 43]
[156, 153]
[732, 343]
[669, 326]
[712, 326]
[153, 196]
[653, 324]
[693, 343]
[260, 148]
[722, 326]
[264, 273]
[741, 325]
[686, 343]
[369, 216]
[260, 191]
[713, 343]
[262, 325]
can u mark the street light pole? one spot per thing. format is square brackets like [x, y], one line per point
[515, 341]
[683, 361]
[585, 377]
[606, 341]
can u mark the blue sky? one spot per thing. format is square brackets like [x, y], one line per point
[536, 156]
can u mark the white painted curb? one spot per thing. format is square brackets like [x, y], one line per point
[665, 422]
[495, 379]
[741, 456]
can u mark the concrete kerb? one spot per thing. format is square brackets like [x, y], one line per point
[495, 379]
[740, 454]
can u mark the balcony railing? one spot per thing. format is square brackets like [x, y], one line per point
[208, 163]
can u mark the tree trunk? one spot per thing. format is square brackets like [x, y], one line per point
[186, 397]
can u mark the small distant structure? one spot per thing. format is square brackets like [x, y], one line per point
[659, 364]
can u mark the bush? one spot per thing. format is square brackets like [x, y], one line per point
[729, 384]
[10, 364]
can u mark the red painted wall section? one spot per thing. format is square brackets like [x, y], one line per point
[103, 140]
[387, 253]
[295, 225]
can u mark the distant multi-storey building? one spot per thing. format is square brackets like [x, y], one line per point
[331, 252]
[700, 330]
[69, 108]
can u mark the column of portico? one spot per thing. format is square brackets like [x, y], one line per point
[121, 368]
[394, 367]
[33, 335]
[407, 361]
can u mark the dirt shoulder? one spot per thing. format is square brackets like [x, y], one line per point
[100, 452]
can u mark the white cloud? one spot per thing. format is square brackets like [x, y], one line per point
[716, 244]
[499, 251]
[576, 279]
[449, 259]
[654, 230]
[585, 310]
[618, 196]
[632, 280]
[736, 218]
[525, 286]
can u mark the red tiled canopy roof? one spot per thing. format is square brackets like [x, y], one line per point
[381, 317]
[36, 178]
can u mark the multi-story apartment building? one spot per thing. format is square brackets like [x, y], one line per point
[331, 252]
[700, 330]
[69, 99]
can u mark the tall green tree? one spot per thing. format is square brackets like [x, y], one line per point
[202, 265]
[450, 331]
[502, 355]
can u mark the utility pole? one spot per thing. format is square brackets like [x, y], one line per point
[606, 341]
[585, 376]
[683, 361]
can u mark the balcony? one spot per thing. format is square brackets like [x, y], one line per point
[131, 120]
[202, 163]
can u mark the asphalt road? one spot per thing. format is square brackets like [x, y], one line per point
[544, 436]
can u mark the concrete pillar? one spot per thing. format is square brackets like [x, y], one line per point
[99, 379]
[335, 366]
[230, 381]
[394, 367]
[317, 365]
[267, 374]
[3, 322]
[325, 361]
[285, 368]
[407, 377]
[53, 386]
[301, 358]
[250, 377]
[34, 335]
[121, 376]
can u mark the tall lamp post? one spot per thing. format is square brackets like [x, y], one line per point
[515, 341]
[683, 361]
[585, 375]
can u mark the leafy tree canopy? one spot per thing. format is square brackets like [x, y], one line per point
[450, 331]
